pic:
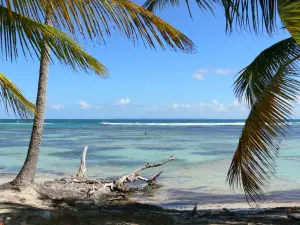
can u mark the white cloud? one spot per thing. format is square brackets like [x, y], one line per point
[56, 107]
[212, 106]
[200, 74]
[204, 107]
[83, 104]
[123, 101]
[152, 108]
[216, 106]
[176, 106]
[237, 105]
[224, 71]
[100, 107]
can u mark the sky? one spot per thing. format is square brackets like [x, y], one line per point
[147, 83]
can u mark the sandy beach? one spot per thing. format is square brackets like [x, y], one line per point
[30, 207]
[4, 178]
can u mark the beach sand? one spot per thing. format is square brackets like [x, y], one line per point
[30, 207]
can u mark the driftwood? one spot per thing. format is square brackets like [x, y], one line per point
[294, 217]
[120, 183]
[82, 169]
[80, 187]
[81, 191]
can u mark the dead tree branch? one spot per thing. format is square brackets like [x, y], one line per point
[153, 179]
[82, 169]
[119, 184]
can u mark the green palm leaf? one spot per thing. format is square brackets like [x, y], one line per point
[255, 15]
[31, 34]
[153, 5]
[253, 79]
[289, 11]
[97, 18]
[13, 99]
[275, 86]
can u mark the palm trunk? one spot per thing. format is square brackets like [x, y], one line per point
[27, 173]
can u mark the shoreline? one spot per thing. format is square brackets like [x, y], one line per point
[29, 205]
[7, 177]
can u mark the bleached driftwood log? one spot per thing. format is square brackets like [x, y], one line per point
[82, 169]
[120, 183]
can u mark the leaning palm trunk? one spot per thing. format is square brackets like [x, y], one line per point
[27, 173]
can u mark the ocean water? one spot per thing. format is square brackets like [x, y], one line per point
[203, 151]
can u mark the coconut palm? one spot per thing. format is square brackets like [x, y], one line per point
[20, 33]
[29, 33]
[269, 86]
[90, 19]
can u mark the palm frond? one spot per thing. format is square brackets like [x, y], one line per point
[153, 5]
[254, 160]
[253, 15]
[96, 18]
[29, 34]
[289, 12]
[253, 79]
[12, 99]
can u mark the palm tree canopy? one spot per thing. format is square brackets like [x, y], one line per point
[253, 15]
[289, 11]
[29, 34]
[97, 18]
[12, 98]
[254, 78]
[269, 84]
[153, 5]
[21, 25]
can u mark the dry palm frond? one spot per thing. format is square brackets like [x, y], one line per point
[275, 86]
[29, 34]
[97, 18]
[153, 5]
[289, 12]
[12, 98]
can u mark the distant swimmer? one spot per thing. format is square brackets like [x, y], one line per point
[163, 131]
[145, 133]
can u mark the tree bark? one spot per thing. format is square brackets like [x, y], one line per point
[27, 173]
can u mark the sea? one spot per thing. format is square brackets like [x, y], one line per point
[203, 150]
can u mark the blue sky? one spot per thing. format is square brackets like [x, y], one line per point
[145, 83]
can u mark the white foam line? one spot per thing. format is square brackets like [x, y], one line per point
[174, 124]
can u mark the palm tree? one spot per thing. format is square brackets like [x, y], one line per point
[30, 34]
[17, 29]
[269, 86]
[94, 19]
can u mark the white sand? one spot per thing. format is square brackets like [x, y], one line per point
[31, 198]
